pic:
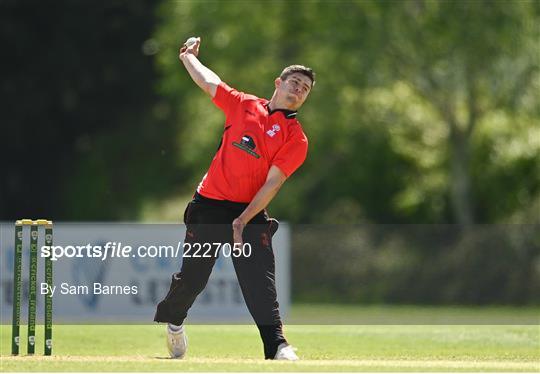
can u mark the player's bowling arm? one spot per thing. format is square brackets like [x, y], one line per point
[205, 78]
[266, 193]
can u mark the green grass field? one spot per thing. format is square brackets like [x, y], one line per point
[332, 348]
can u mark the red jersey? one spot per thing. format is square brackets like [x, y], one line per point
[253, 140]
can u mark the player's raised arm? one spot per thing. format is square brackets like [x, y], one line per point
[205, 78]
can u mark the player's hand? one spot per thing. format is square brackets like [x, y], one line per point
[238, 228]
[191, 49]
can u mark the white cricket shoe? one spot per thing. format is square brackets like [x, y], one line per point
[286, 352]
[176, 341]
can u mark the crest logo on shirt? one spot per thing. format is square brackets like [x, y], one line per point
[274, 130]
[247, 144]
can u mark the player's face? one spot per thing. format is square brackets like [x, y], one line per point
[295, 89]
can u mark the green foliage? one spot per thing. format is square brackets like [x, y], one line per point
[423, 111]
[402, 119]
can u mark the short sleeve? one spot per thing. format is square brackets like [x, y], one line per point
[292, 154]
[227, 98]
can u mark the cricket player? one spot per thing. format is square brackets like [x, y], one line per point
[261, 146]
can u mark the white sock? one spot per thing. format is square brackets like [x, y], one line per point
[175, 328]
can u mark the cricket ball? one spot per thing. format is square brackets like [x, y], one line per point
[190, 41]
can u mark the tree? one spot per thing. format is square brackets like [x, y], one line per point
[401, 119]
[466, 58]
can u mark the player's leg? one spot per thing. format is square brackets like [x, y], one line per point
[187, 284]
[256, 275]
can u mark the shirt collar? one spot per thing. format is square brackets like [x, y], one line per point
[289, 114]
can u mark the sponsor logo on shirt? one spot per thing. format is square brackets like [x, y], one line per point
[247, 144]
[274, 130]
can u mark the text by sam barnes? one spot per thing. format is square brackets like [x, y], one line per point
[95, 289]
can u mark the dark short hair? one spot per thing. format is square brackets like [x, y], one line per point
[308, 72]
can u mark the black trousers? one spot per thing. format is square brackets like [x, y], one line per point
[209, 221]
